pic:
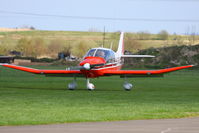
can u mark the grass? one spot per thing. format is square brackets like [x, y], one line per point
[33, 99]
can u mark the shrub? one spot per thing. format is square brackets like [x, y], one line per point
[163, 35]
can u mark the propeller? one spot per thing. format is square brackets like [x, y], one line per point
[86, 66]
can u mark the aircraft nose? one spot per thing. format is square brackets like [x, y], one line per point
[90, 62]
[87, 66]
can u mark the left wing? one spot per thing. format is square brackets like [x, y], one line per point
[59, 73]
[143, 73]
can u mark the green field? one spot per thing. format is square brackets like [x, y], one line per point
[33, 99]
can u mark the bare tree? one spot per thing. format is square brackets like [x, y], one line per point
[193, 34]
[39, 46]
[143, 35]
[55, 47]
[24, 46]
[31, 47]
[131, 44]
[3, 50]
[163, 35]
[80, 48]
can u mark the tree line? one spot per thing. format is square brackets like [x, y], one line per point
[39, 46]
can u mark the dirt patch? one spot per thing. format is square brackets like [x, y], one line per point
[14, 29]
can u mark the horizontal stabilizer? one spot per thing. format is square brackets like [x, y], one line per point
[137, 56]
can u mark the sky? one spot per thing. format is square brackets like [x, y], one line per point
[175, 16]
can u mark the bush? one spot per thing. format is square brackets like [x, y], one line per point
[163, 35]
[33, 47]
[81, 47]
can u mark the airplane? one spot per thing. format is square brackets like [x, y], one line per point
[100, 62]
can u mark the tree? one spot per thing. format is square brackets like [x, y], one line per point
[31, 47]
[113, 40]
[143, 35]
[39, 46]
[80, 48]
[23, 45]
[3, 50]
[67, 49]
[55, 47]
[6, 45]
[131, 44]
[32, 28]
[163, 35]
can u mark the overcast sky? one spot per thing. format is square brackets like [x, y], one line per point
[178, 16]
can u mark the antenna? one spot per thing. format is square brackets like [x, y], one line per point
[103, 37]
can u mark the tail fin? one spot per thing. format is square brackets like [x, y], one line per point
[120, 50]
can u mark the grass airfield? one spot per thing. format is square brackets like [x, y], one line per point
[27, 99]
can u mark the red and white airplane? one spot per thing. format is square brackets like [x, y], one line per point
[100, 62]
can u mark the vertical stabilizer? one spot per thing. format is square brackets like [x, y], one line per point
[120, 50]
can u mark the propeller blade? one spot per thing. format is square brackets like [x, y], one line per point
[86, 66]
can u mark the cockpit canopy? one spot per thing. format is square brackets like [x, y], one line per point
[107, 54]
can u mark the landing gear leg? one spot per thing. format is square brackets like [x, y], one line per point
[127, 86]
[72, 85]
[89, 85]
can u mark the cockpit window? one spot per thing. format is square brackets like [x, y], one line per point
[111, 57]
[108, 55]
[90, 52]
[100, 53]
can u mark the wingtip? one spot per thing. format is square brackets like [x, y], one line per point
[1, 64]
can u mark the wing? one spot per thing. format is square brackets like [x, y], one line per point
[57, 73]
[137, 56]
[143, 73]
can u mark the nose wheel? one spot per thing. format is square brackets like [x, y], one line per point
[89, 85]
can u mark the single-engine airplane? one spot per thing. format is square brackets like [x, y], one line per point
[100, 62]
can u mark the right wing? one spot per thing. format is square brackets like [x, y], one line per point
[57, 73]
[143, 73]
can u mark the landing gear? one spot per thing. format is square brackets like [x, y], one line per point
[89, 85]
[73, 85]
[127, 86]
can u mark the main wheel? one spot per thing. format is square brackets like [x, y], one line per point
[72, 86]
[127, 86]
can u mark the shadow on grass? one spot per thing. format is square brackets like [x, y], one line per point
[63, 89]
